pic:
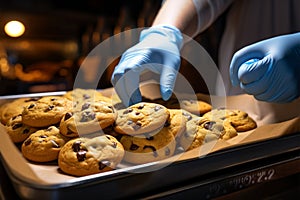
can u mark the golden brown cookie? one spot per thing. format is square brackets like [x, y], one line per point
[78, 95]
[141, 118]
[201, 130]
[43, 145]
[46, 111]
[83, 156]
[14, 107]
[17, 131]
[240, 120]
[176, 124]
[87, 117]
[150, 147]
[196, 107]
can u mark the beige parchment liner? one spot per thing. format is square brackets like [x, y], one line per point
[274, 120]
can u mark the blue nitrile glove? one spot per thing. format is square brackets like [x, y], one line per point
[159, 51]
[270, 69]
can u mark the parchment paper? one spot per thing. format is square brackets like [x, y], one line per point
[274, 120]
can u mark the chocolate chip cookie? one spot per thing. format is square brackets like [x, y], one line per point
[201, 130]
[150, 147]
[46, 111]
[141, 118]
[196, 107]
[43, 145]
[78, 95]
[87, 117]
[240, 120]
[14, 107]
[18, 131]
[84, 156]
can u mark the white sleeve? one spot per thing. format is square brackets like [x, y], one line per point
[208, 11]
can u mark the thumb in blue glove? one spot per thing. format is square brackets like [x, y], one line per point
[269, 69]
[158, 51]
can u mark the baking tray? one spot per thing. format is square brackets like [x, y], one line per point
[126, 183]
[32, 181]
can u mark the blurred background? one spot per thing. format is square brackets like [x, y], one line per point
[59, 35]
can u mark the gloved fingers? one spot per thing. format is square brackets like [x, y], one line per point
[119, 86]
[240, 58]
[131, 83]
[253, 70]
[278, 94]
[167, 82]
[278, 89]
[257, 87]
[168, 77]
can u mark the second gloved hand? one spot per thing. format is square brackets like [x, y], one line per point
[269, 69]
[159, 51]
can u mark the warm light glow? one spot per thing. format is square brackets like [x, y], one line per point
[14, 28]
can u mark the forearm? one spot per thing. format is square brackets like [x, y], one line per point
[191, 16]
[179, 13]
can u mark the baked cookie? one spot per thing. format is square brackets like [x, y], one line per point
[196, 107]
[43, 145]
[83, 156]
[46, 111]
[141, 118]
[15, 107]
[176, 124]
[78, 95]
[240, 120]
[17, 131]
[201, 130]
[152, 147]
[87, 117]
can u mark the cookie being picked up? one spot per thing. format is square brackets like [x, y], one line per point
[141, 118]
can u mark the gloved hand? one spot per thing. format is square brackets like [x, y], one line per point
[159, 51]
[270, 69]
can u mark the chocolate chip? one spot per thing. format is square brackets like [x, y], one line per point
[53, 99]
[49, 129]
[127, 111]
[149, 137]
[87, 116]
[103, 164]
[31, 106]
[86, 96]
[209, 125]
[85, 106]
[54, 144]
[157, 108]
[76, 146]
[14, 117]
[133, 147]
[27, 142]
[68, 115]
[137, 113]
[137, 126]
[25, 131]
[81, 154]
[49, 108]
[167, 123]
[114, 144]
[152, 148]
[17, 125]
[43, 136]
[129, 122]
[141, 106]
